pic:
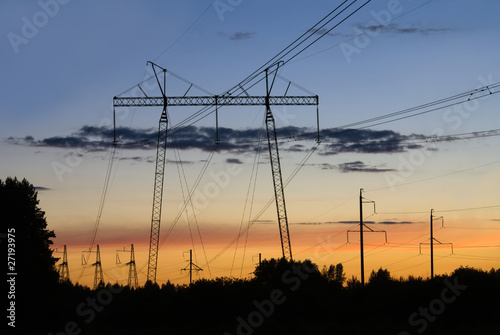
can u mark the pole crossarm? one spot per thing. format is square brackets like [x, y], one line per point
[437, 242]
[217, 100]
[370, 230]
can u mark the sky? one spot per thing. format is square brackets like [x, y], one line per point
[62, 62]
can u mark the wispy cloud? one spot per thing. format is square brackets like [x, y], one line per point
[263, 221]
[359, 166]
[239, 35]
[41, 188]
[395, 28]
[394, 222]
[324, 31]
[148, 159]
[356, 222]
[234, 161]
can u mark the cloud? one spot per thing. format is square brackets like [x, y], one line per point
[359, 166]
[263, 221]
[148, 159]
[233, 161]
[235, 141]
[318, 223]
[41, 188]
[239, 35]
[366, 141]
[394, 222]
[394, 28]
[324, 31]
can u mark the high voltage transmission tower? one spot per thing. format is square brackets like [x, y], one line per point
[63, 268]
[215, 101]
[132, 281]
[98, 276]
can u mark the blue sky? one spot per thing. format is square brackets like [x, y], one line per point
[391, 55]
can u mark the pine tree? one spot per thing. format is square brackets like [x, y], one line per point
[36, 276]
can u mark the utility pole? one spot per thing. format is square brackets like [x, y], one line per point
[361, 232]
[432, 244]
[432, 240]
[362, 255]
[191, 266]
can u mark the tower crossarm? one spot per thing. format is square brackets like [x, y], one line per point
[217, 100]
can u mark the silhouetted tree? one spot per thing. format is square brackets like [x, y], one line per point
[353, 282]
[334, 273]
[36, 276]
[269, 272]
[381, 277]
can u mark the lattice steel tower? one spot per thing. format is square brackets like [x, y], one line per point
[63, 267]
[98, 277]
[216, 101]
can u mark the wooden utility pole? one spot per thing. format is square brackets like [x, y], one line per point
[432, 245]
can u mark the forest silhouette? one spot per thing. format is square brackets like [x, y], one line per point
[282, 297]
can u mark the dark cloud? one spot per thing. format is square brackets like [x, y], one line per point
[233, 161]
[394, 222]
[359, 166]
[316, 223]
[394, 28]
[365, 141]
[236, 141]
[239, 35]
[41, 188]
[324, 31]
[147, 159]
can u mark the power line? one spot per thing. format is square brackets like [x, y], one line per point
[466, 209]
[185, 31]
[436, 177]
[248, 82]
[364, 33]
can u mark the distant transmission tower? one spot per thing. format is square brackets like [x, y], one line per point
[98, 277]
[191, 267]
[63, 267]
[132, 281]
